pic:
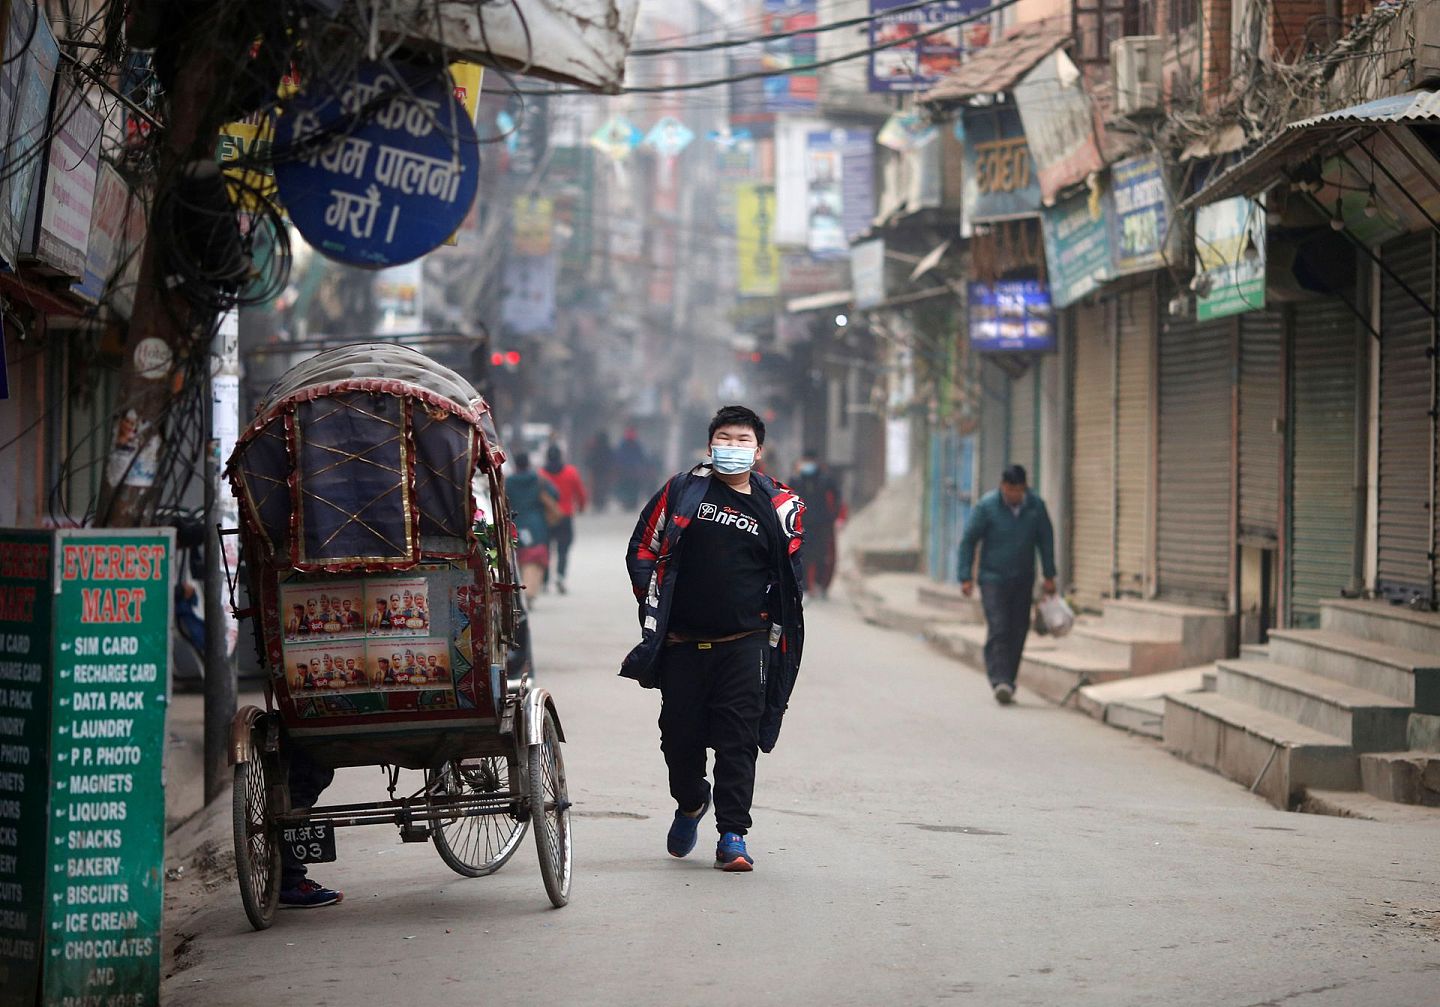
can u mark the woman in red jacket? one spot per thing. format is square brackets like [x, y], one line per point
[571, 492]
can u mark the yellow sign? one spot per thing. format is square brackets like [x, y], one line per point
[754, 226]
[468, 78]
[533, 219]
[248, 142]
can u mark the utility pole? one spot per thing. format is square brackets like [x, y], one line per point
[222, 419]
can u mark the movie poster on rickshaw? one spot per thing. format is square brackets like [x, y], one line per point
[326, 666]
[397, 607]
[323, 610]
[409, 664]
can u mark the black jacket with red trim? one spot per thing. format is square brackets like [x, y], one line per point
[654, 561]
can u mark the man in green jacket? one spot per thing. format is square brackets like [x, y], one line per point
[1012, 523]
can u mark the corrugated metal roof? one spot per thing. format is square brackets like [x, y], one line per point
[1412, 106]
[998, 67]
[1307, 137]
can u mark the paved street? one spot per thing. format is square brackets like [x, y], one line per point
[914, 844]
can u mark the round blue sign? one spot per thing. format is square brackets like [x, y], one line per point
[382, 170]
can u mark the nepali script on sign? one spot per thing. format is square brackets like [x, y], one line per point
[398, 179]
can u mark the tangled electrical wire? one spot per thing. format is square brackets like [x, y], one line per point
[217, 241]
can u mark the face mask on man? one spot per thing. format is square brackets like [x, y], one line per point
[732, 459]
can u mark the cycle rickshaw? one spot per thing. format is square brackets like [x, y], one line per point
[380, 565]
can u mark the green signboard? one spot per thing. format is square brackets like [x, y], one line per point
[1077, 246]
[1230, 257]
[100, 659]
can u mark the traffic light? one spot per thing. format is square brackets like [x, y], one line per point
[509, 359]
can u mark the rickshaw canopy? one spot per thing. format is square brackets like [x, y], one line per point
[363, 457]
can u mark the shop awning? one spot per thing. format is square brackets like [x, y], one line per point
[1319, 135]
[1000, 66]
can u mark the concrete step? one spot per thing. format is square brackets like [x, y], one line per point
[1138, 704]
[949, 598]
[1369, 721]
[1143, 655]
[1359, 804]
[1256, 651]
[1423, 734]
[1204, 634]
[1402, 777]
[1275, 757]
[1059, 674]
[887, 559]
[1410, 676]
[1138, 716]
[1382, 622]
[966, 642]
[891, 600]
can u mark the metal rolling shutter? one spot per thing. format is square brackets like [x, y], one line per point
[1325, 367]
[1092, 484]
[1022, 422]
[1261, 444]
[1193, 528]
[1133, 377]
[994, 426]
[1407, 464]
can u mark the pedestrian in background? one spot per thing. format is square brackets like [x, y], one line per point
[1010, 525]
[631, 468]
[570, 495]
[824, 510]
[715, 564]
[530, 499]
[600, 469]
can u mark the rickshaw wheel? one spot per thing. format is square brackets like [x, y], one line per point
[257, 844]
[479, 845]
[550, 811]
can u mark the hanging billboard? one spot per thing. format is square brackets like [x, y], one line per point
[1011, 316]
[759, 258]
[797, 89]
[919, 64]
[1001, 182]
[1142, 214]
[1230, 257]
[839, 189]
[1077, 245]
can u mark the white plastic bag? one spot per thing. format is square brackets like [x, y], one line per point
[1055, 614]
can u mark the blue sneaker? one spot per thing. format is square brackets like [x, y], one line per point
[309, 895]
[681, 838]
[730, 854]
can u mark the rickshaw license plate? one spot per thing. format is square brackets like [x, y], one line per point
[311, 844]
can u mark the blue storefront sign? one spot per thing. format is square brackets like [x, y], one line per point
[1142, 214]
[381, 170]
[1011, 316]
[1077, 246]
[1000, 178]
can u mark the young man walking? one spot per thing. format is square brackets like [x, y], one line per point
[715, 564]
[1011, 524]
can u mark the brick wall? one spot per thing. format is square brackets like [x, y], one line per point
[1298, 27]
[1215, 51]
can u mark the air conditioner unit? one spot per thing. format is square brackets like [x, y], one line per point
[1135, 63]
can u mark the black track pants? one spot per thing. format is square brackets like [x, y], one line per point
[1007, 622]
[712, 696]
[307, 781]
